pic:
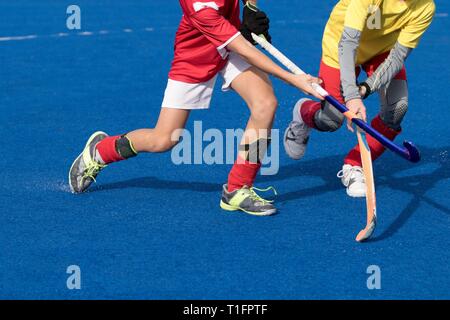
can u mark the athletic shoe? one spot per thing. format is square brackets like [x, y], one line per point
[296, 136]
[85, 168]
[247, 200]
[352, 178]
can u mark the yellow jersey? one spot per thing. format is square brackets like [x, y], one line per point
[382, 23]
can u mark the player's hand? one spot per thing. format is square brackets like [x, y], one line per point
[254, 21]
[304, 83]
[357, 107]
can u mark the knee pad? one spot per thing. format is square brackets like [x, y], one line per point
[328, 118]
[256, 151]
[394, 113]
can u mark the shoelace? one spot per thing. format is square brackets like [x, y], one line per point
[93, 169]
[294, 130]
[352, 174]
[256, 197]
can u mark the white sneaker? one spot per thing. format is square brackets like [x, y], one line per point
[352, 178]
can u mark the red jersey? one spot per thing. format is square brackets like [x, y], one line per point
[205, 30]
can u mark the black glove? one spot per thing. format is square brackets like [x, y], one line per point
[368, 90]
[256, 21]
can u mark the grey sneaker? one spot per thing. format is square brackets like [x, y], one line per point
[246, 199]
[296, 136]
[85, 168]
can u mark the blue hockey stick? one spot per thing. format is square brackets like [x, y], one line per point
[409, 151]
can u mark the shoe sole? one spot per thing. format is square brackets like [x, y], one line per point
[295, 117]
[352, 195]
[359, 195]
[92, 137]
[296, 111]
[287, 149]
[228, 207]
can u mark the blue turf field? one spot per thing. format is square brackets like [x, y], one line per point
[150, 229]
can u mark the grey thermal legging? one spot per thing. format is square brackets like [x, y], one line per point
[393, 106]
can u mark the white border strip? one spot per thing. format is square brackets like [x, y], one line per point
[18, 38]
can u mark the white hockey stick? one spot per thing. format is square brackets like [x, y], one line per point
[365, 233]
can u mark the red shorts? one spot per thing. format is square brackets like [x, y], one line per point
[332, 76]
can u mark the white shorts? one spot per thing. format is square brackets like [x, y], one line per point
[182, 95]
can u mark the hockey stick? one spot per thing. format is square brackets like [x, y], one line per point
[371, 202]
[408, 152]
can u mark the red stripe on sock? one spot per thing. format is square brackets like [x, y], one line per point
[242, 174]
[107, 150]
[376, 148]
[307, 112]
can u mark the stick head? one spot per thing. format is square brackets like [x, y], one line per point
[367, 232]
[414, 153]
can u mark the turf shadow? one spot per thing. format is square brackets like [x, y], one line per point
[390, 176]
[155, 183]
[415, 186]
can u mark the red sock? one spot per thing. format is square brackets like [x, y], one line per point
[376, 148]
[242, 174]
[107, 150]
[308, 110]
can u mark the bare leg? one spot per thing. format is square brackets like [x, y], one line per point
[102, 149]
[160, 138]
[255, 88]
